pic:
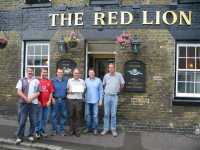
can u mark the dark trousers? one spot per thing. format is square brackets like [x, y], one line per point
[75, 114]
[25, 111]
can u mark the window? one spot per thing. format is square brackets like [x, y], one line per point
[37, 56]
[188, 1]
[188, 70]
[36, 1]
[104, 2]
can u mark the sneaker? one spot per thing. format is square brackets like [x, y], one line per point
[77, 134]
[62, 134]
[71, 133]
[114, 133]
[43, 134]
[95, 132]
[53, 133]
[37, 135]
[31, 139]
[18, 141]
[86, 131]
[104, 132]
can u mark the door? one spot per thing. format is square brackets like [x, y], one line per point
[99, 62]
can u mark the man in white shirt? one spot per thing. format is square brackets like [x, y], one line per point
[76, 88]
[28, 92]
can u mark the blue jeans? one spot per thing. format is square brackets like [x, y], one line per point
[58, 113]
[25, 111]
[110, 110]
[92, 115]
[42, 117]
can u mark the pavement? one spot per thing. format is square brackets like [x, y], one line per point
[125, 141]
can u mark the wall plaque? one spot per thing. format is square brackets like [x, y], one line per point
[134, 76]
[68, 65]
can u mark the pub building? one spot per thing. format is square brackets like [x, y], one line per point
[155, 44]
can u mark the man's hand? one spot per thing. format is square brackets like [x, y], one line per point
[100, 103]
[53, 101]
[49, 103]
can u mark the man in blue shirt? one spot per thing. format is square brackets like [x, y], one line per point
[59, 108]
[93, 96]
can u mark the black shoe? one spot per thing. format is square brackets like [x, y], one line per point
[77, 134]
[71, 133]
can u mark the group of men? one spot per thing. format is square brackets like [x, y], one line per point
[66, 97]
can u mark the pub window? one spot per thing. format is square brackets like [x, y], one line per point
[188, 1]
[37, 56]
[188, 70]
[104, 2]
[36, 1]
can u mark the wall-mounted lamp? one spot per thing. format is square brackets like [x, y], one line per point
[135, 44]
[62, 45]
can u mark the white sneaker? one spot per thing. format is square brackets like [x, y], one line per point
[104, 132]
[31, 139]
[18, 141]
[37, 136]
[114, 133]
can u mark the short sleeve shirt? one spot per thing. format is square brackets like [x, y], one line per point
[46, 88]
[112, 83]
[33, 88]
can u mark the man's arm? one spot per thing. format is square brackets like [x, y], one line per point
[22, 95]
[33, 96]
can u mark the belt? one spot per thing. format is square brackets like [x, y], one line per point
[59, 98]
[111, 94]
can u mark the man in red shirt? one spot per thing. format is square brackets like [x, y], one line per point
[46, 90]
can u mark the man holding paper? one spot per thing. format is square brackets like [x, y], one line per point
[76, 88]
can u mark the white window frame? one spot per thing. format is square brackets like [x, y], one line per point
[33, 43]
[194, 95]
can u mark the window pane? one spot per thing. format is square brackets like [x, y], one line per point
[37, 72]
[45, 61]
[182, 51]
[181, 75]
[44, 50]
[181, 87]
[30, 60]
[197, 88]
[189, 87]
[198, 51]
[191, 52]
[190, 63]
[197, 77]
[190, 76]
[30, 50]
[182, 63]
[38, 50]
[38, 60]
[197, 63]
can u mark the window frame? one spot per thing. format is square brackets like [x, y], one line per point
[185, 95]
[28, 43]
[187, 2]
[104, 2]
[28, 3]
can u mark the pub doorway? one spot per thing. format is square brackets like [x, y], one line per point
[99, 62]
[98, 55]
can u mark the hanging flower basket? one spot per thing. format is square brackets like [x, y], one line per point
[3, 42]
[72, 44]
[124, 40]
[71, 40]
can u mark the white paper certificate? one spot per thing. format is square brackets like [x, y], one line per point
[77, 88]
